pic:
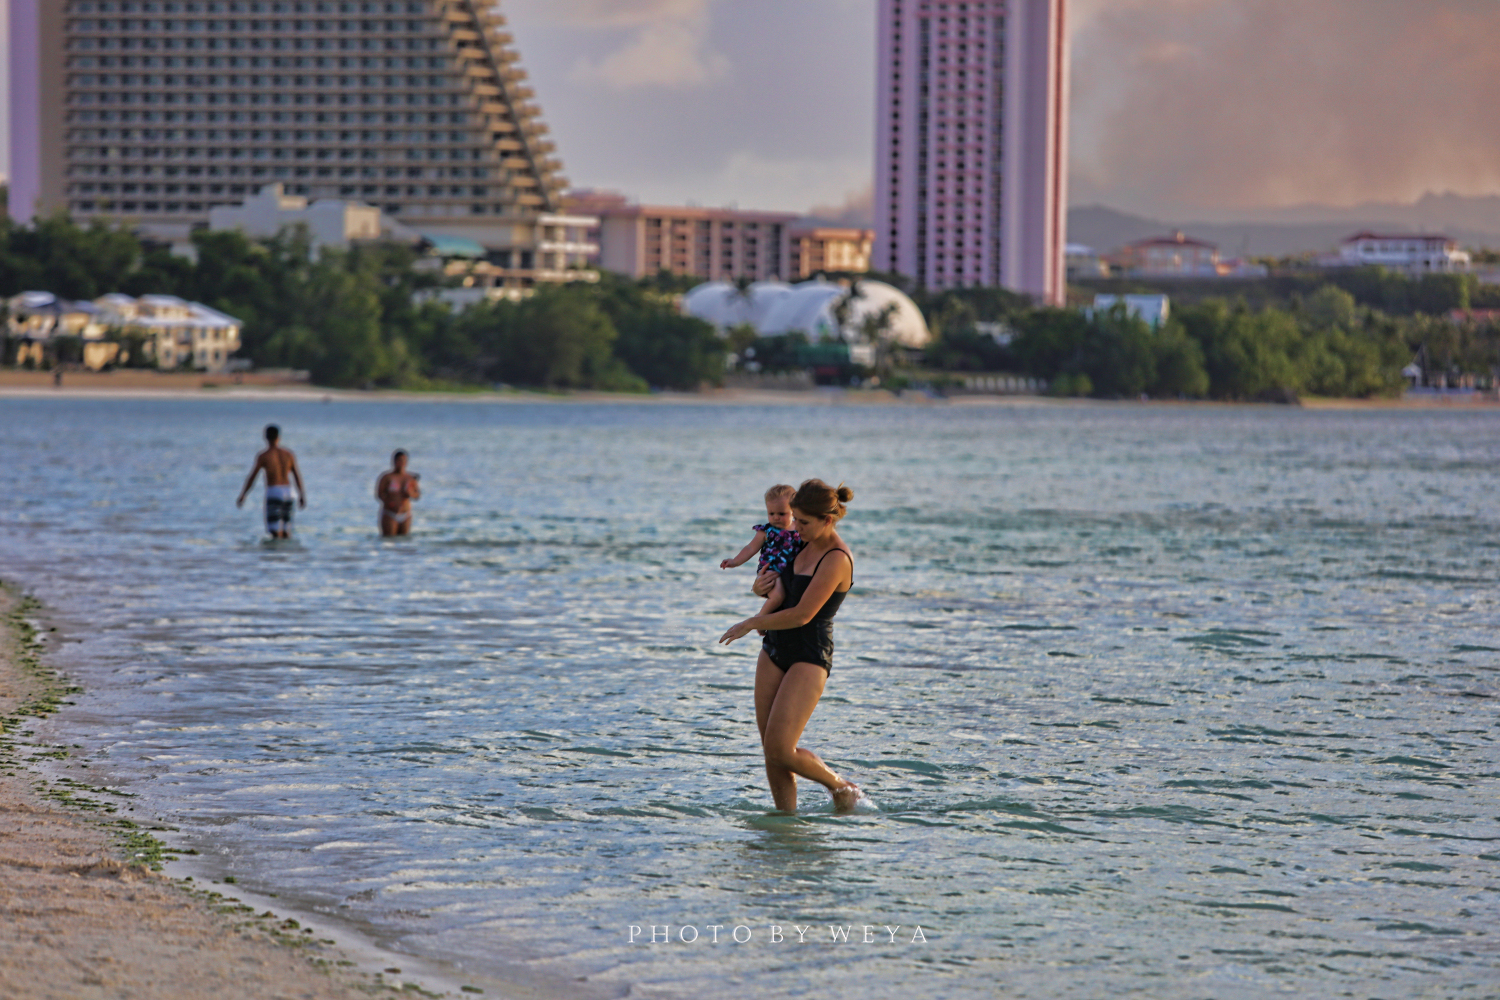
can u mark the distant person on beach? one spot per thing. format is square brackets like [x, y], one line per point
[796, 656]
[281, 469]
[396, 489]
[777, 541]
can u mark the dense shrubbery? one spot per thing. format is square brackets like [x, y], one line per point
[1391, 292]
[1326, 342]
[351, 319]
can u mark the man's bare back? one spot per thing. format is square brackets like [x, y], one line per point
[279, 464]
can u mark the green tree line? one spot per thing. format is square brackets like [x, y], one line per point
[1327, 342]
[355, 318]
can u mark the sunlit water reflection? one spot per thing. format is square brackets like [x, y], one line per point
[1156, 702]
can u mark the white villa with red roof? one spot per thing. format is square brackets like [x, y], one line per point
[1162, 256]
[1414, 253]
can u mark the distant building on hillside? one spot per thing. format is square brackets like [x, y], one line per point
[1174, 256]
[1412, 253]
[825, 249]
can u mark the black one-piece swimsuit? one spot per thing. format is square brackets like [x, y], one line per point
[813, 642]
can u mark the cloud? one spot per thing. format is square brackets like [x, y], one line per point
[650, 43]
[779, 184]
[1188, 105]
[791, 182]
[857, 208]
[613, 13]
[669, 53]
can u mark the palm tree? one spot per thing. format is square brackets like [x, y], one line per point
[876, 328]
[843, 306]
[742, 290]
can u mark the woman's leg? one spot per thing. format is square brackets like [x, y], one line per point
[792, 700]
[768, 678]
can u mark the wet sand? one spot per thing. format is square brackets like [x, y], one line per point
[78, 922]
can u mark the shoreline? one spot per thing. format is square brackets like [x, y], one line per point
[829, 397]
[175, 386]
[95, 902]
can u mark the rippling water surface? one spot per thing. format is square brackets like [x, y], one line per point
[1153, 702]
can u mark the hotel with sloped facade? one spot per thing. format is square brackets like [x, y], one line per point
[154, 112]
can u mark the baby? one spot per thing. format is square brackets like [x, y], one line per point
[775, 540]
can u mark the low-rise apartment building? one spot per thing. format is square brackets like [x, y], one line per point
[640, 240]
[719, 242]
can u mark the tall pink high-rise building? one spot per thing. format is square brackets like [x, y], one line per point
[971, 144]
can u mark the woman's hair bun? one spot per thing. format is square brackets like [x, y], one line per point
[817, 498]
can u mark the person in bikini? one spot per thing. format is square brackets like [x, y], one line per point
[281, 470]
[396, 489]
[796, 656]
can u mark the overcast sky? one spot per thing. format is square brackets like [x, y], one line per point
[1181, 108]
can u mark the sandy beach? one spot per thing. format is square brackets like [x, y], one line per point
[78, 922]
[141, 384]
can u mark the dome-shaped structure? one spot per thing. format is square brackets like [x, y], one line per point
[724, 305]
[813, 308]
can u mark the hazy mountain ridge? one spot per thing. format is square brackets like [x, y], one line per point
[1473, 222]
[1268, 232]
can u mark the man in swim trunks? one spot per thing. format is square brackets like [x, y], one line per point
[281, 469]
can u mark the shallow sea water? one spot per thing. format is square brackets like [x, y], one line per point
[1168, 702]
